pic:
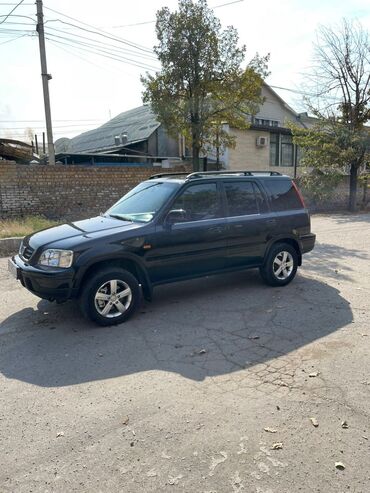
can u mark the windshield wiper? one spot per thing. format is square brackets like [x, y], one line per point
[122, 218]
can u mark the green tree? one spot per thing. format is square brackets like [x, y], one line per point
[201, 80]
[340, 140]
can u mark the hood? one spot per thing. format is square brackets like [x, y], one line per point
[87, 228]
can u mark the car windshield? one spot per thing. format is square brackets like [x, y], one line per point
[143, 202]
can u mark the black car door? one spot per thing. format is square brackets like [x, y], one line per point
[197, 243]
[249, 222]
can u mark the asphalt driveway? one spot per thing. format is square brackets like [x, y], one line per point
[194, 393]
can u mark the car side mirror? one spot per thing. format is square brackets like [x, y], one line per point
[175, 216]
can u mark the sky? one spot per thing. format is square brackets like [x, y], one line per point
[87, 89]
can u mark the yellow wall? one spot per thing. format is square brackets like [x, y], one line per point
[247, 156]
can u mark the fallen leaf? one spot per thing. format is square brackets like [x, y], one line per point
[270, 430]
[60, 434]
[125, 420]
[340, 466]
[344, 424]
[314, 374]
[314, 422]
[277, 446]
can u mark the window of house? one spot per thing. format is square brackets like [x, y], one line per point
[274, 149]
[199, 202]
[287, 150]
[266, 122]
[282, 150]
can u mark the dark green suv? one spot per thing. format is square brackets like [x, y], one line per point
[169, 228]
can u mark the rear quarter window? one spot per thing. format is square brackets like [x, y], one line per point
[283, 195]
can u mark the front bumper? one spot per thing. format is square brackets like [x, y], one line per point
[50, 284]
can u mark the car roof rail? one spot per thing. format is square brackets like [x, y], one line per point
[204, 174]
[201, 174]
[165, 175]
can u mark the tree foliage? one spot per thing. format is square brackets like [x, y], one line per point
[339, 140]
[201, 83]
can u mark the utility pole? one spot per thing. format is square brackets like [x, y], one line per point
[45, 80]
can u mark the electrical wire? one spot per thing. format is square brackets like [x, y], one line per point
[23, 16]
[13, 39]
[110, 69]
[100, 50]
[116, 58]
[96, 31]
[40, 121]
[153, 21]
[102, 43]
[10, 13]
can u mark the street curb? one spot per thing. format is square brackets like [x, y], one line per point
[9, 246]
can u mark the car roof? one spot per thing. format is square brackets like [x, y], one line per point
[182, 177]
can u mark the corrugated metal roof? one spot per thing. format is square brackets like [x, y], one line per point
[138, 124]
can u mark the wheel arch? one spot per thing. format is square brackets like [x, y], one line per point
[291, 241]
[129, 263]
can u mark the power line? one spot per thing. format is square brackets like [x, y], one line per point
[228, 3]
[39, 121]
[24, 16]
[13, 39]
[153, 21]
[296, 91]
[104, 44]
[116, 58]
[101, 33]
[18, 4]
[85, 59]
[104, 51]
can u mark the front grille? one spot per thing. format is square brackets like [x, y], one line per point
[26, 252]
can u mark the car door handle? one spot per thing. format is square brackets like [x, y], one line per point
[216, 230]
[271, 222]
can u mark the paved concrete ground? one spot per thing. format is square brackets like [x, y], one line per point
[192, 393]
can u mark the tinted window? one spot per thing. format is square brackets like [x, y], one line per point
[241, 198]
[199, 202]
[283, 195]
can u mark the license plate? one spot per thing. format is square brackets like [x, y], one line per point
[13, 269]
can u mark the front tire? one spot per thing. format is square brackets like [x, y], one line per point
[110, 296]
[280, 266]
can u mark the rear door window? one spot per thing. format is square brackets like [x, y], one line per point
[200, 202]
[283, 195]
[243, 198]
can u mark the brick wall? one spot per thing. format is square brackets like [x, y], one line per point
[68, 192]
[76, 192]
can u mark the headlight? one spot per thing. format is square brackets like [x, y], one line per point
[56, 258]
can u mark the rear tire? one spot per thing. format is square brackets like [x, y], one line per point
[110, 296]
[280, 266]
